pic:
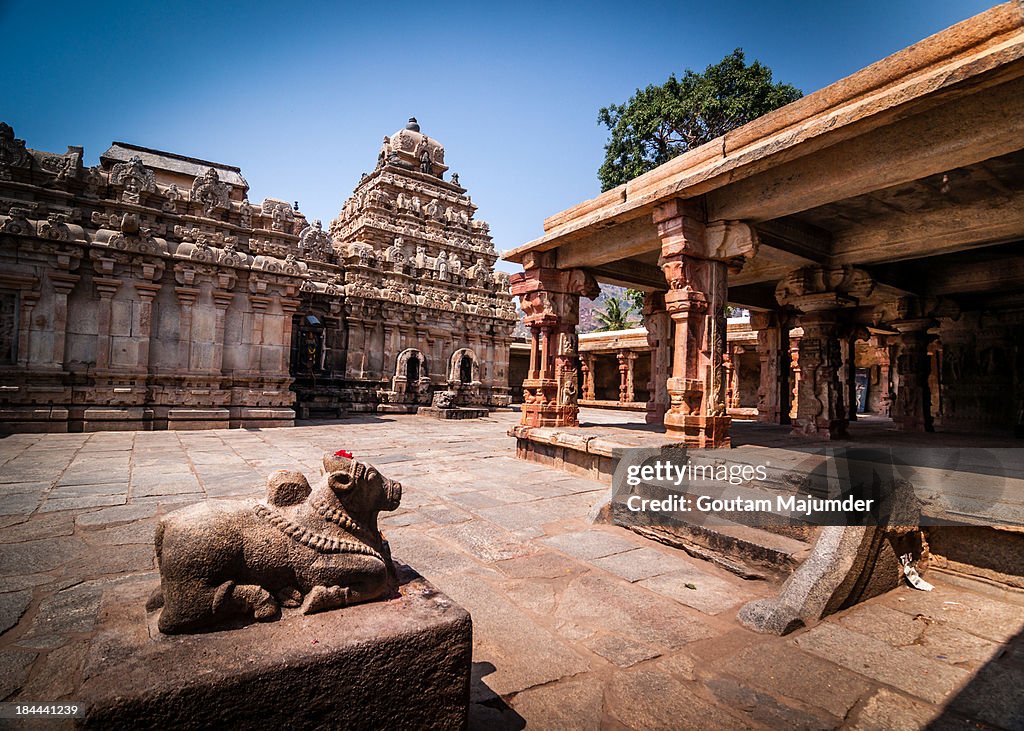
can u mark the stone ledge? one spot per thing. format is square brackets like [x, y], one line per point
[460, 412]
[401, 663]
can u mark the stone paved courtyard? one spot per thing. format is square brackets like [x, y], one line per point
[575, 625]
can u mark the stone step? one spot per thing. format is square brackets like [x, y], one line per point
[748, 552]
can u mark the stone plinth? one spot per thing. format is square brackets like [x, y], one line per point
[401, 663]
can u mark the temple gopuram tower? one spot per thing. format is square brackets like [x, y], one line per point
[421, 308]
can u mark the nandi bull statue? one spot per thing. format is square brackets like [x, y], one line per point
[316, 548]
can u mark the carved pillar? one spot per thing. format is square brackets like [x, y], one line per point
[187, 297]
[259, 304]
[659, 337]
[289, 307]
[773, 353]
[732, 376]
[794, 370]
[63, 283]
[147, 292]
[221, 301]
[912, 410]
[819, 294]
[387, 350]
[884, 375]
[106, 289]
[354, 353]
[626, 390]
[534, 371]
[587, 365]
[935, 379]
[27, 303]
[550, 299]
[694, 257]
[851, 377]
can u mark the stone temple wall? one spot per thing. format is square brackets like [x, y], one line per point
[149, 293]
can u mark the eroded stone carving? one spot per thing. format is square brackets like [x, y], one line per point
[135, 177]
[315, 243]
[315, 548]
[210, 191]
[282, 215]
[12, 152]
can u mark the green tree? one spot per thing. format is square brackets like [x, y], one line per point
[615, 315]
[660, 122]
[636, 299]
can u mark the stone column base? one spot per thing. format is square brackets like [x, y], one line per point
[823, 429]
[655, 413]
[550, 415]
[706, 432]
[545, 410]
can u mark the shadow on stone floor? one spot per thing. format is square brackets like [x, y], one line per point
[486, 709]
[993, 695]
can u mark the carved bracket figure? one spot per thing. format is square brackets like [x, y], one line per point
[318, 548]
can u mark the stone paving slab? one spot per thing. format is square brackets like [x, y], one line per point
[575, 625]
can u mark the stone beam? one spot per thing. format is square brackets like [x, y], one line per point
[977, 276]
[630, 273]
[953, 227]
[605, 245]
[907, 149]
[810, 243]
[754, 296]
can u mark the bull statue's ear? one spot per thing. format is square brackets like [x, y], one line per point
[340, 481]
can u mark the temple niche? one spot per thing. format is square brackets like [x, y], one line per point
[419, 307]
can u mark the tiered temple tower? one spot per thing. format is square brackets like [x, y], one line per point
[421, 309]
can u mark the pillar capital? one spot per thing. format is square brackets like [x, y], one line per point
[820, 288]
[187, 296]
[63, 283]
[551, 296]
[684, 231]
[106, 288]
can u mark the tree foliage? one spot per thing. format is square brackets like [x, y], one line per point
[660, 122]
[635, 297]
[614, 316]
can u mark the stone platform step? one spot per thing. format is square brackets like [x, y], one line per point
[748, 552]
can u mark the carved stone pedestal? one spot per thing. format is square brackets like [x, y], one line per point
[543, 406]
[400, 663]
[699, 431]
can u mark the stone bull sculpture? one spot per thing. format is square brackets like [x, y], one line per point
[319, 548]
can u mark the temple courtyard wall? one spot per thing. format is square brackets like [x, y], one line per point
[148, 293]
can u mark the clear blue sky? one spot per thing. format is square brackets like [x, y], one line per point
[299, 95]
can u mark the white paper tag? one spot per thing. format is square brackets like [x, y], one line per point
[911, 575]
